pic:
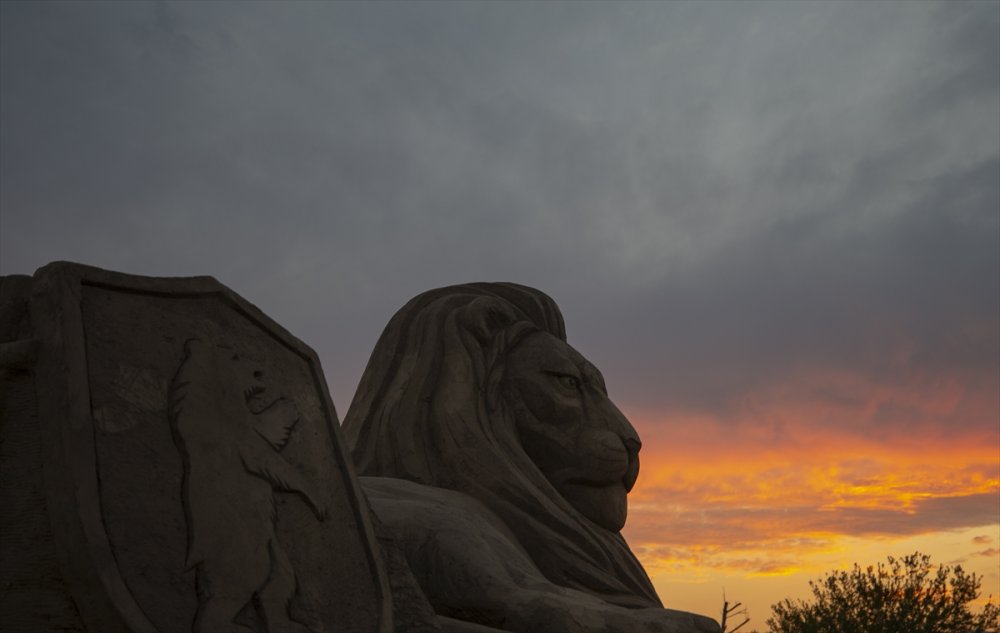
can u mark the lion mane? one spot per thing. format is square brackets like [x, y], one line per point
[430, 408]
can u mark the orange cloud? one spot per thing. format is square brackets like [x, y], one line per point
[769, 491]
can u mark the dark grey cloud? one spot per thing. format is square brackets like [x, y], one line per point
[720, 195]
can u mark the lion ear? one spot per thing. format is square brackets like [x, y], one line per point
[496, 355]
[485, 316]
[496, 325]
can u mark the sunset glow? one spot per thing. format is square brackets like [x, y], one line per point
[759, 504]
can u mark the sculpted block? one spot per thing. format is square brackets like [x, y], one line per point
[192, 473]
[490, 448]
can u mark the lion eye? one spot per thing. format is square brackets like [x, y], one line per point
[570, 382]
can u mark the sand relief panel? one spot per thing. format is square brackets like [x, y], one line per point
[207, 488]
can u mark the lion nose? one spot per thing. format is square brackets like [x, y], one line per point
[633, 445]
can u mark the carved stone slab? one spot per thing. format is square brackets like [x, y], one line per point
[194, 471]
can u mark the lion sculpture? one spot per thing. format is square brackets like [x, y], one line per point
[490, 451]
[232, 466]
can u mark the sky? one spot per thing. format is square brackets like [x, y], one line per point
[774, 226]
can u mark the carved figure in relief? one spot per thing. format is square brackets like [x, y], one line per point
[232, 466]
[490, 448]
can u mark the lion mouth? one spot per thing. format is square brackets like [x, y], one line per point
[609, 480]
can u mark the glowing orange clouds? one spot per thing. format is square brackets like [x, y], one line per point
[788, 483]
[691, 496]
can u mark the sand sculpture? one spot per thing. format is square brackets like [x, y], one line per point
[489, 448]
[171, 462]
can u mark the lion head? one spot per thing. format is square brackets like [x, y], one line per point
[474, 388]
[570, 428]
[217, 382]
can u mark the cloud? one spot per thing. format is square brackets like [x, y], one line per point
[719, 199]
[982, 540]
[825, 487]
[785, 487]
[741, 527]
[787, 536]
[671, 560]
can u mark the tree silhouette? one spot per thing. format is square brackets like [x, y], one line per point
[905, 596]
